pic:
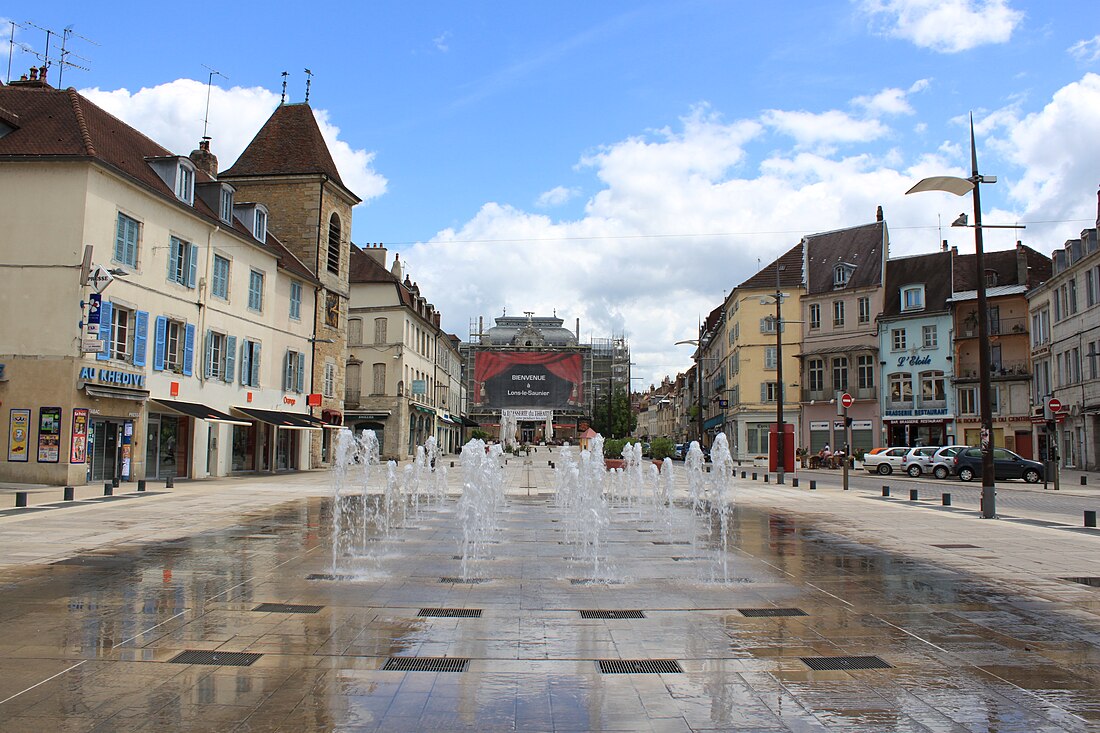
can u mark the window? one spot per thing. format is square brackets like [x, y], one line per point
[866, 367]
[333, 260]
[1092, 355]
[816, 372]
[864, 309]
[995, 399]
[259, 228]
[932, 388]
[256, 291]
[840, 373]
[330, 380]
[769, 391]
[838, 313]
[769, 357]
[185, 183]
[123, 333]
[380, 336]
[294, 372]
[1059, 307]
[968, 401]
[227, 204]
[173, 346]
[250, 363]
[355, 331]
[126, 240]
[1042, 380]
[122, 324]
[1092, 286]
[901, 388]
[1071, 296]
[912, 298]
[897, 335]
[219, 282]
[930, 337]
[994, 319]
[767, 324]
[332, 310]
[378, 379]
[220, 358]
[182, 262]
[296, 301]
[991, 278]
[841, 275]
[815, 315]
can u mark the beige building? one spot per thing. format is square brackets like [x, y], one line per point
[196, 367]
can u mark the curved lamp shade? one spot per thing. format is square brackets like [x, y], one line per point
[951, 184]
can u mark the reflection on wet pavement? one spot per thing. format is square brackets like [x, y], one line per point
[88, 640]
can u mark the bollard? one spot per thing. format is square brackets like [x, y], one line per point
[1084, 480]
[1090, 518]
[765, 478]
[20, 498]
[70, 493]
[946, 499]
[913, 495]
[114, 482]
[744, 474]
[813, 485]
[794, 482]
[169, 482]
[108, 488]
[754, 475]
[141, 484]
[885, 490]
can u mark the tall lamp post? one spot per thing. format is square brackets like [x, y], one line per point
[960, 187]
[698, 356]
[781, 461]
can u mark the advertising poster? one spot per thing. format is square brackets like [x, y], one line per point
[547, 380]
[19, 435]
[49, 435]
[127, 448]
[78, 451]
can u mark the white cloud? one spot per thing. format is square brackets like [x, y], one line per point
[1086, 51]
[556, 196]
[947, 26]
[891, 101]
[814, 128]
[442, 42]
[172, 114]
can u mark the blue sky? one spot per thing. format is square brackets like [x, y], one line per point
[627, 163]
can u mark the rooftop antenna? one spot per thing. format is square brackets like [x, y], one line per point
[48, 33]
[209, 83]
[309, 78]
[65, 53]
[282, 100]
[11, 47]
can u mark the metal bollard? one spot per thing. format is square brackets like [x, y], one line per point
[794, 482]
[913, 495]
[744, 474]
[20, 498]
[1084, 480]
[141, 484]
[885, 490]
[813, 485]
[946, 499]
[114, 482]
[754, 475]
[108, 488]
[70, 493]
[1090, 518]
[766, 476]
[169, 482]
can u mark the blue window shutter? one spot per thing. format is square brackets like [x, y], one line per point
[246, 368]
[160, 331]
[301, 371]
[208, 355]
[192, 266]
[105, 330]
[763, 391]
[120, 240]
[288, 373]
[173, 257]
[188, 349]
[255, 365]
[230, 358]
[141, 337]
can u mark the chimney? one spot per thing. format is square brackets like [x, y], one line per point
[878, 214]
[396, 270]
[943, 246]
[1021, 264]
[377, 252]
[578, 330]
[204, 160]
[1098, 209]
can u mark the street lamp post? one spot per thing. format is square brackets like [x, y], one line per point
[959, 187]
[697, 343]
[780, 438]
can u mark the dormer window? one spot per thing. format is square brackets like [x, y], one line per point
[185, 183]
[912, 298]
[259, 229]
[226, 212]
[991, 278]
[842, 273]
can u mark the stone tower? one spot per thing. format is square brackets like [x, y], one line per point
[288, 168]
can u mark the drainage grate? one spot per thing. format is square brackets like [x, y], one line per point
[224, 659]
[956, 547]
[451, 612]
[640, 666]
[845, 663]
[767, 612]
[594, 581]
[425, 664]
[622, 613]
[677, 542]
[464, 581]
[1094, 582]
[684, 558]
[329, 576]
[286, 608]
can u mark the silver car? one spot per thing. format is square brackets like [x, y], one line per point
[918, 460]
[943, 462]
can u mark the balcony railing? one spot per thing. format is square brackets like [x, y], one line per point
[997, 327]
[1003, 370]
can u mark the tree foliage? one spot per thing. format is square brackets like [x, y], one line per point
[623, 420]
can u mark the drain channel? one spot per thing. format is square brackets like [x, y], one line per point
[286, 608]
[450, 612]
[425, 664]
[640, 666]
[223, 659]
[622, 613]
[766, 612]
[464, 581]
[1094, 582]
[843, 664]
[329, 576]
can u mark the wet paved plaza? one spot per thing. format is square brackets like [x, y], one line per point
[89, 641]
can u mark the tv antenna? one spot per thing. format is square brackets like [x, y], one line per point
[309, 79]
[282, 100]
[65, 53]
[209, 83]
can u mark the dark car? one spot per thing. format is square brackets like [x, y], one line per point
[1006, 465]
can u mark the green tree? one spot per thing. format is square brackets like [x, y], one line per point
[661, 448]
[623, 420]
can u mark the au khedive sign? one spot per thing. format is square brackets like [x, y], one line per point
[550, 380]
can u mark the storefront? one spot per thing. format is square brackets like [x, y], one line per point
[273, 441]
[918, 427]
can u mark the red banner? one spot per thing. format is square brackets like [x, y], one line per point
[537, 379]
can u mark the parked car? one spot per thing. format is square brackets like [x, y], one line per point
[681, 451]
[886, 461]
[943, 462]
[1006, 465]
[918, 460]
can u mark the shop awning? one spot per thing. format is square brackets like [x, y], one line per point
[470, 423]
[285, 420]
[116, 393]
[713, 422]
[425, 410]
[366, 415]
[201, 412]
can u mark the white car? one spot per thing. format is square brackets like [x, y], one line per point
[943, 463]
[886, 461]
[918, 460]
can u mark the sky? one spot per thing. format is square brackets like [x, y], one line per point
[625, 163]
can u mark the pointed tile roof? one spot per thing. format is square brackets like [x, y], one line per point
[289, 142]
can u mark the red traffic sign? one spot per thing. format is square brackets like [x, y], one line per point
[1054, 404]
[847, 400]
